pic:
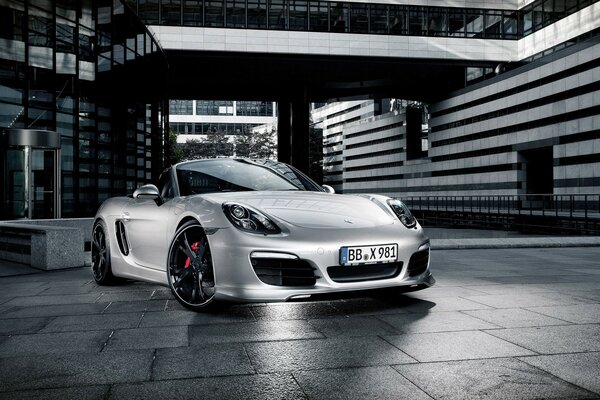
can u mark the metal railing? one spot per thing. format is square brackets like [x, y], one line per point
[574, 212]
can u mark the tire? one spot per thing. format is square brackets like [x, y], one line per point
[101, 267]
[190, 270]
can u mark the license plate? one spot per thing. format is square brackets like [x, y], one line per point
[368, 254]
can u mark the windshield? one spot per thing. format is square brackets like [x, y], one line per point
[233, 175]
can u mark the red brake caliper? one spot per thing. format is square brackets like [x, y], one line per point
[195, 248]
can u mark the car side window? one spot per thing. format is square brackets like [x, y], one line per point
[165, 186]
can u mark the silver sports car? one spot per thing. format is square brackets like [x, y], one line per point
[256, 230]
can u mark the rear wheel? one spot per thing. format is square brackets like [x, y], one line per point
[101, 255]
[190, 269]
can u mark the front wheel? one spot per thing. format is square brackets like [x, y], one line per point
[189, 267]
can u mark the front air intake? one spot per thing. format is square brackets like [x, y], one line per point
[418, 263]
[284, 272]
[368, 272]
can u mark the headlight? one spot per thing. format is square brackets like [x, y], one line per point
[403, 213]
[249, 220]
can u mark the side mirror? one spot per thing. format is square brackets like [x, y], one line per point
[146, 192]
[328, 189]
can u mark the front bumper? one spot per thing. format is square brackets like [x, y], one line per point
[236, 279]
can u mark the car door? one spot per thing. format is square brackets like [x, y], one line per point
[145, 222]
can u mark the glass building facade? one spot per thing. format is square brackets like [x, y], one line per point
[356, 17]
[81, 68]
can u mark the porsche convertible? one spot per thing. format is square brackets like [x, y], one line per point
[256, 231]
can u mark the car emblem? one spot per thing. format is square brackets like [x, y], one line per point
[348, 220]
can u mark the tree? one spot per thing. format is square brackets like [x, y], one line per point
[217, 145]
[192, 149]
[174, 152]
[260, 144]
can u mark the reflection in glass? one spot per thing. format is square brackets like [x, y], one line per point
[170, 13]
[474, 23]
[65, 36]
[456, 24]
[11, 95]
[277, 14]
[192, 12]
[257, 14]
[359, 18]
[214, 13]
[298, 15]
[148, 11]
[236, 13]
[437, 22]
[379, 18]
[42, 183]
[339, 17]
[15, 182]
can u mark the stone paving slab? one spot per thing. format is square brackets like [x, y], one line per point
[500, 379]
[358, 383]
[94, 322]
[324, 353]
[251, 387]
[184, 317]
[554, 339]
[514, 318]
[148, 338]
[352, 326]
[79, 393]
[580, 369]
[201, 361]
[74, 369]
[53, 343]
[461, 345]
[263, 331]
[577, 314]
[499, 324]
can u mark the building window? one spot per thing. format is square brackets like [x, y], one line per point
[214, 13]
[148, 11]
[254, 108]
[277, 14]
[339, 17]
[170, 12]
[214, 107]
[192, 12]
[181, 107]
[236, 13]
[359, 18]
[319, 16]
[257, 14]
[298, 15]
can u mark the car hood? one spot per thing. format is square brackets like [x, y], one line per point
[312, 209]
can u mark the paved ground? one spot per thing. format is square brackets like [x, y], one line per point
[500, 324]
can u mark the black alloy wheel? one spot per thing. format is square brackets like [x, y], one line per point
[101, 255]
[190, 270]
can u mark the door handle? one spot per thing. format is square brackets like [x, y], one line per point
[125, 216]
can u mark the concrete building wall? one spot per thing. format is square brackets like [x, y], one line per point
[334, 44]
[374, 151]
[550, 105]
[332, 118]
[585, 20]
[532, 130]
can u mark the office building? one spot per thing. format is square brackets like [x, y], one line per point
[91, 72]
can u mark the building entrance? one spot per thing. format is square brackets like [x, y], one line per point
[30, 174]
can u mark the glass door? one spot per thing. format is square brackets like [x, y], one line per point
[15, 184]
[42, 180]
[31, 183]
